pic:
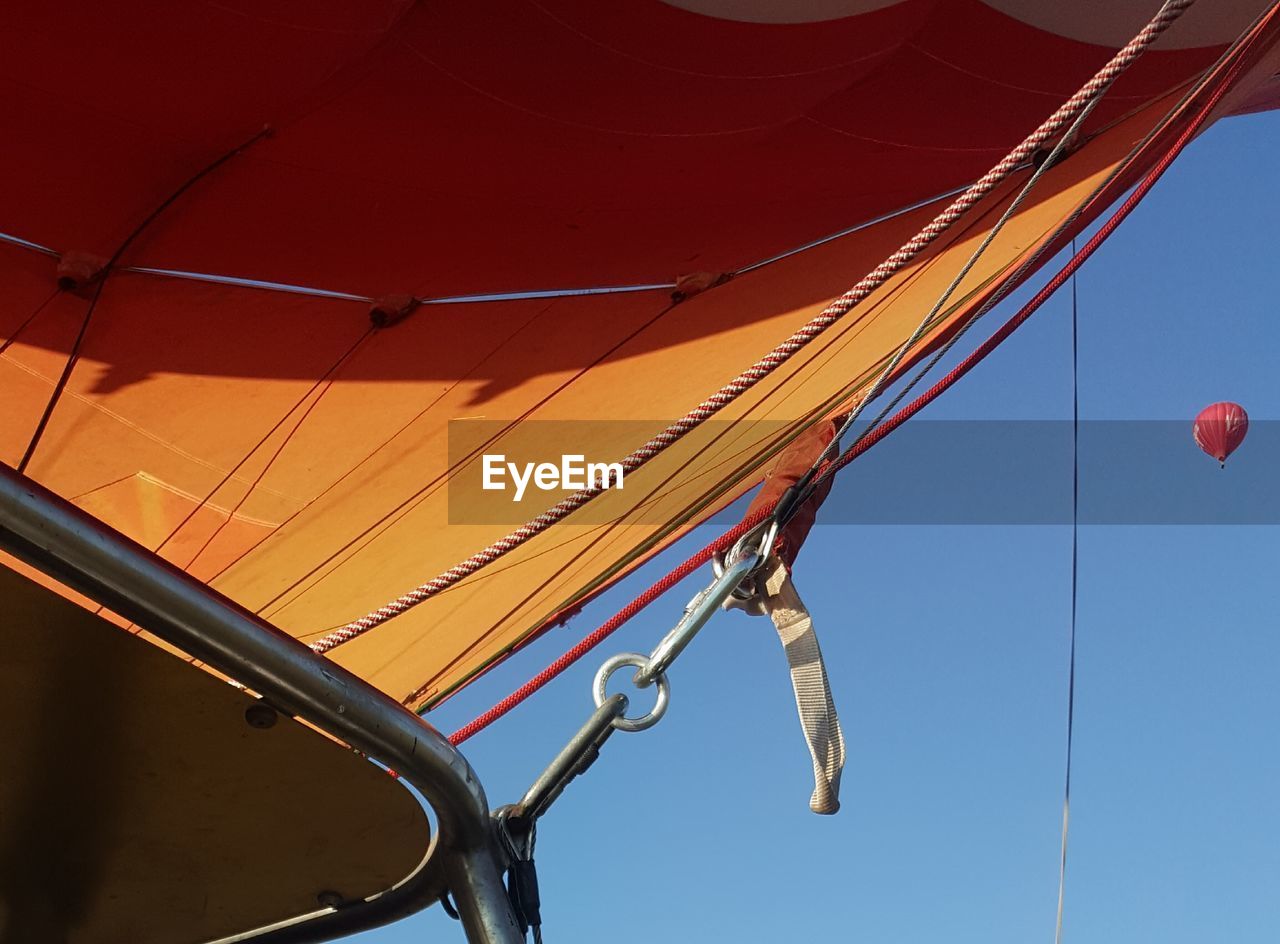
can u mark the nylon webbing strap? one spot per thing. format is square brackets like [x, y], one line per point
[817, 710]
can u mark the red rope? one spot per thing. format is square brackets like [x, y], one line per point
[874, 436]
[1168, 13]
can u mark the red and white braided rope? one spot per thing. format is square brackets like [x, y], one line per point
[1168, 13]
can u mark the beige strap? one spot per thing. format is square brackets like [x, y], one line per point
[817, 711]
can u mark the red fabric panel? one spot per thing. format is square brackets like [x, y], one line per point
[448, 148]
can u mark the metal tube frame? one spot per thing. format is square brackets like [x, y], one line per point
[64, 542]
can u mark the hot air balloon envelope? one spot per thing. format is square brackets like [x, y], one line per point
[229, 404]
[1220, 429]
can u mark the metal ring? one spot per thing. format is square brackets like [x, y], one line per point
[601, 684]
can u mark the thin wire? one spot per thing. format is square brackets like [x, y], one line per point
[27, 244]
[1075, 585]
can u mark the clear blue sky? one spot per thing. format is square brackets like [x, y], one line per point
[947, 649]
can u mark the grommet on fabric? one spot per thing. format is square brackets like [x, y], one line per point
[390, 309]
[79, 270]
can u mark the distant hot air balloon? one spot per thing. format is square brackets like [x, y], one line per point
[1220, 429]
